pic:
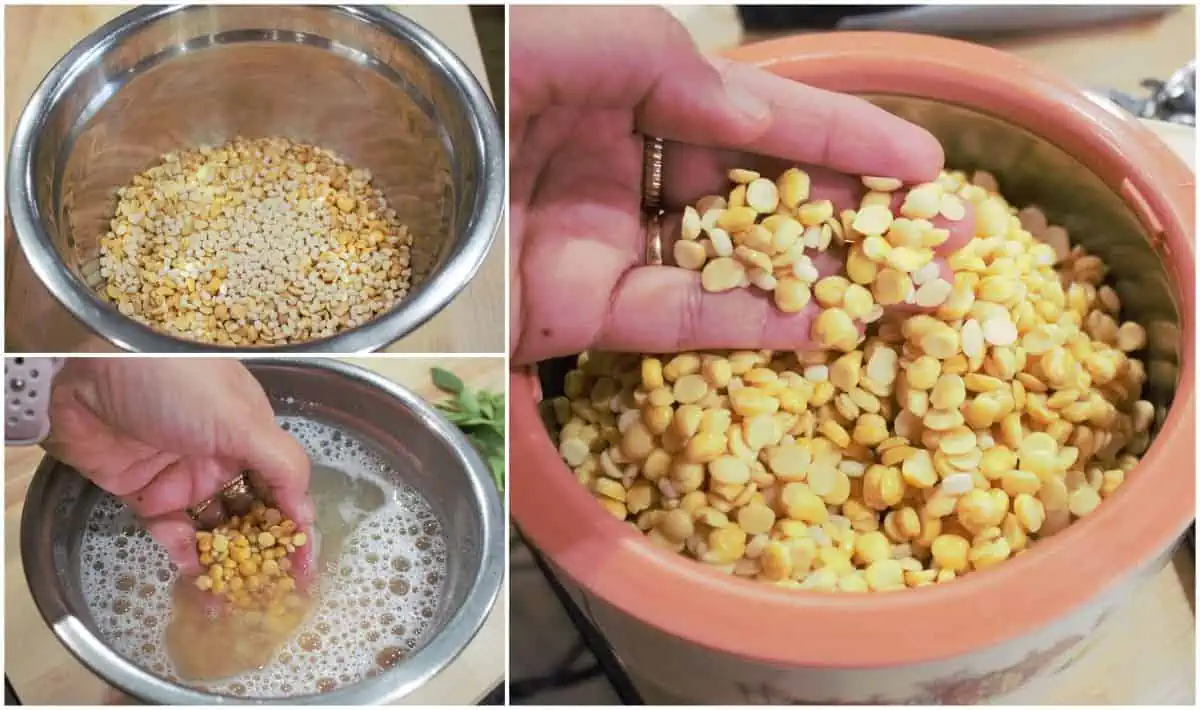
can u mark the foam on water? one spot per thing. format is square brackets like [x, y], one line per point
[375, 599]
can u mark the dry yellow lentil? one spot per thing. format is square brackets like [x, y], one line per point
[253, 242]
[936, 446]
[760, 237]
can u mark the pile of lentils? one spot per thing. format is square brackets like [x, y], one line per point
[923, 449]
[255, 242]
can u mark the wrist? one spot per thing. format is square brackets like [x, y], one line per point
[27, 387]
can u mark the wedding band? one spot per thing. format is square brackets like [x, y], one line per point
[654, 245]
[652, 175]
[239, 486]
[652, 179]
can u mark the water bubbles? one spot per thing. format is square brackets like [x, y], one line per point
[324, 685]
[375, 598]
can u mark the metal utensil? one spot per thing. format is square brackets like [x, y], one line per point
[427, 451]
[1173, 100]
[365, 82]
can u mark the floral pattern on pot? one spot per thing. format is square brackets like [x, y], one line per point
[957, 689]
[976, 689]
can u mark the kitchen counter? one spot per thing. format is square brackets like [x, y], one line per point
[43, 672]
[37, 36]
[1115, 55]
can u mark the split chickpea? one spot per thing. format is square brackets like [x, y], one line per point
[764, 234]
[254, 242]
[247, 561]
[934, 446]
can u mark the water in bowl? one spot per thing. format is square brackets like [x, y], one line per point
[382, 562]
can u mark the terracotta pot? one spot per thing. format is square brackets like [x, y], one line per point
[697, 634]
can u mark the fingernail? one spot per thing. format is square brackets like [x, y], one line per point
[305, 512]
[746, 103]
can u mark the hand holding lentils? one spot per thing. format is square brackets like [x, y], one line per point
[939, 444]
[255, 242]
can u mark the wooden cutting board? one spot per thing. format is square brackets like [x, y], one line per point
[36, 36]
[43, 672]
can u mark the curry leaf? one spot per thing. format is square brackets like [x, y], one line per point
[447, 381]
[479, 414]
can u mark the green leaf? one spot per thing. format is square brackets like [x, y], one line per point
[479, 415]
[468, 403]
[447, 381]
[496, 463]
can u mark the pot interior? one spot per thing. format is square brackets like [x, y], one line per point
[1031, 171]
[398, 436]
[203, 75]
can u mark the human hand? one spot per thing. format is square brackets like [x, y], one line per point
[165, 434]
[586, 84]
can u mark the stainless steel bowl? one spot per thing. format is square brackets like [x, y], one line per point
[426, 450]
[365, 82]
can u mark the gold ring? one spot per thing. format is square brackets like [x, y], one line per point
[654, 245]
[652, 175]
[239, 486]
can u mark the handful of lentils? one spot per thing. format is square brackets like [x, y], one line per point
[255, 242]
[932, 446]
[247, 564]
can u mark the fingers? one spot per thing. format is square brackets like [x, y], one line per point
[690, 173]
[643, 59]
[659, 309]
[304, 562]
[961, 232]
[281, 466]
[181, 483]
[803, 125]
[175, 533]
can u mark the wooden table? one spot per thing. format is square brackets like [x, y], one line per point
[43, 672]
[37, 36]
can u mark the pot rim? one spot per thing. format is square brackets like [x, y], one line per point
[480, 226]
[687, 600]
[387, 687]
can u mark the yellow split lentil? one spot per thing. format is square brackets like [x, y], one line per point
[254, 242]
[247, 561]
[935, 446]
[762, 236]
